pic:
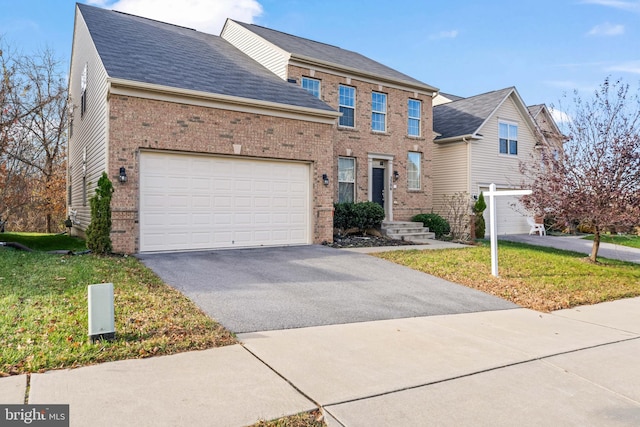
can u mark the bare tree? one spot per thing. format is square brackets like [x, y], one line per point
[458, 210]
[595, 179]
[33, 97]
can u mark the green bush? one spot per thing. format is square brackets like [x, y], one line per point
[342, 213]
[99, 230]
[478, 208]
[363, 215]
[435, 222]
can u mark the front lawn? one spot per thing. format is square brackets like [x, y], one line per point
[630, 240]
[43, 321]
[535, 277]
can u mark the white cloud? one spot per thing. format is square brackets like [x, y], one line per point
[632, 67]
[559, 116]
[203, 15]
[607, 29]
[452, 34]
[629, 5]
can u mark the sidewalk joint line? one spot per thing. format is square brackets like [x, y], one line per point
[535, 359]
[595, 324]
[282, 376]
[27, 389]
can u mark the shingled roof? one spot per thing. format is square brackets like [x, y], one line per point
[143, 50]
[467, 115]
[535, 109]
[302, 48]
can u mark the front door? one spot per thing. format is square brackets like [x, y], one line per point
[377, 191]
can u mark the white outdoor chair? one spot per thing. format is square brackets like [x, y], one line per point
[535, 227]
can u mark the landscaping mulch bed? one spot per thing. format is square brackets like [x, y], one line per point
[356, 241]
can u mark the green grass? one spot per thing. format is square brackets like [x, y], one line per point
[629, 240]
[43, 321]
[45, 242]
[539, 278]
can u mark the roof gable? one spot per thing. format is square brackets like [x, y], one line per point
[143, 50]
[466, 116]
[542, 116]
[305, 49]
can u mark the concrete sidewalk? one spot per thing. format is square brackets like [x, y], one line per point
[577, 244]
[507, 367]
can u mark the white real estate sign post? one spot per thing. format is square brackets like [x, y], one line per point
[492, 221]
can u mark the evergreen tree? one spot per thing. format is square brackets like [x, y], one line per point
[99, 231]
[478, 208]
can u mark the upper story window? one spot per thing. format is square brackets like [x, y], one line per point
[508, 138]
[413, 126]
[83, 91]
[413, 170]
[312, 86]
[346, 179]
[347, 103]
[378, 112]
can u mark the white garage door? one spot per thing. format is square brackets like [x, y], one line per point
[511, 218]
[200, 202]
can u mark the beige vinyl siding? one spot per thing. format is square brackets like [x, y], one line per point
[450, 172]
[90, 130]
[489, 166]
[271, 57]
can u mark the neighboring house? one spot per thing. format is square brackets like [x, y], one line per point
[547, 127]
[220, 151]
[382, 146]
[479, 141]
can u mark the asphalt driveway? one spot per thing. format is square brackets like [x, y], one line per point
[262, 289]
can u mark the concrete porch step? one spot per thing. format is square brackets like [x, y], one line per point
[401, 224]
[407, 230]
[413, 237]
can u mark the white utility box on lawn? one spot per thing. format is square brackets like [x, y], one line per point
[101, 312]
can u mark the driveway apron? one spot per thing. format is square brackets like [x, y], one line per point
[262, 289]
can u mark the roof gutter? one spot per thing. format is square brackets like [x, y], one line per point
[459, 138]
[227, 102]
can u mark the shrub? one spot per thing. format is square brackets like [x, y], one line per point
[435, 222]
[99, 230]
[363, 215]
[342, 213]
[478, 208]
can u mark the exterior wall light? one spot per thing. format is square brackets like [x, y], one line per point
[122, 177]
[325, 179]
[396, 175]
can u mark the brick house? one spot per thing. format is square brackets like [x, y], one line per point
[210, 148]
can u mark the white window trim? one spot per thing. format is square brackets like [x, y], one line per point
[419, 118]
[354, 161]
[384, 113]
[419, 188]
[508, 153]
[348, 106]
[312, 79]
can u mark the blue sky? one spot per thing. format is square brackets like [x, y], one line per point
[545, 48]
